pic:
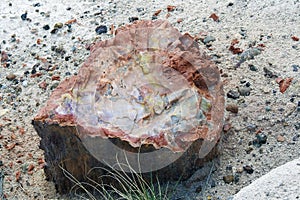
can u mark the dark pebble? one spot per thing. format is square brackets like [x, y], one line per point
[10, 4]
[295, 67]
[252, 68]
[229, 168]
[297, 126]
[261, 138]
[236, 178]
[249, 150]
[243, 32]
[69, 28]
[68, 8]
[232, 108]
[154, 17]
[132, 19]
[233, 94]
[58, 50]
[101, 29]
[212, 183]
[33, 71]
[228, 178]
[248, 84]
[243, 81]
[24, 16]
[140, 9]
[36, 5]
[269, 74]
[54, 31]
[248, 169]
[67, 58]
[198, 189]
[68, 74]
[296, 137]
[1, 163]
[229, 4]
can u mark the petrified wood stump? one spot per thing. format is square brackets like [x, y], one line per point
[148, 98]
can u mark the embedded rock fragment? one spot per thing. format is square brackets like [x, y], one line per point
[149, 96]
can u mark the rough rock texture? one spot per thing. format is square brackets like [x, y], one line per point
[280, 183]
[149, 90]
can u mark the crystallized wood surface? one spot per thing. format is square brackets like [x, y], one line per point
[148, 85]
[151, 92]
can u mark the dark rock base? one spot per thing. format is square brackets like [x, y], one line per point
[65, 150]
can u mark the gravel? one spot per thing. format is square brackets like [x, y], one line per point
[38, 44]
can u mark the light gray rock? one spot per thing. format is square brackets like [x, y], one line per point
[280, 183]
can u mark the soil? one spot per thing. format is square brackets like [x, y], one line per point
[254, 43]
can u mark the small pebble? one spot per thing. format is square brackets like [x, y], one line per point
[248, 169]
[101, 29]
[297, 126]
[46, 27]
[267, 90]
[233, 94]
[25, 83]
[268, 108]
[140, 9]
[11, 77]
[261, 138]
[228, 178]
[296, 137]
[295, 67]
[236, 178]
[58, 25]
[198, 189]
[244, 91]
[67, 58]
[208, 39]
[232, 108]
[252, 67]
[36, 5]
[280, 138]
[54, 31]
[54, 85]
[132, 19]
[239, 170]
[269, 74]
[229, 168]
[24, 16]
[212, 183]
[250, 54]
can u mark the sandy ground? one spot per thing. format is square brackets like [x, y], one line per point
[34, 55]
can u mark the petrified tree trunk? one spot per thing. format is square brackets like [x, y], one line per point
[148, 98]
